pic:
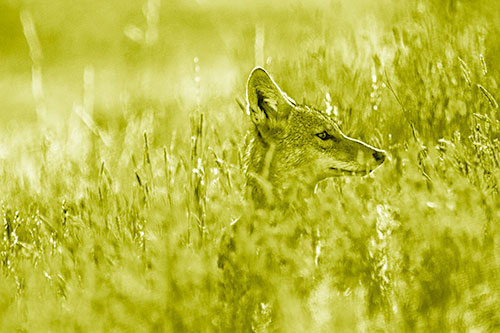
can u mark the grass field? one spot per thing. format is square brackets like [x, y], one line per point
[120, 167]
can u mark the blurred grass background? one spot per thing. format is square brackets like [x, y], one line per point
[120, 164]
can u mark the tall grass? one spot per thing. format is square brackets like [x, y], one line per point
[121, 175]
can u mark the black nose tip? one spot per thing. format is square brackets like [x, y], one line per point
[379, 156]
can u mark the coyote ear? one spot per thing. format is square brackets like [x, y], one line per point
[266, 102]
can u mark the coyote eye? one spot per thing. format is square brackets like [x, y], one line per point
[323, 135]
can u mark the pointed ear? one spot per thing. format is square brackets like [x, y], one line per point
[266, 103]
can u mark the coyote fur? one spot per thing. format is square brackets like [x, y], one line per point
[292, 146]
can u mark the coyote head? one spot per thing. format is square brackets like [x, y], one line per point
[293, 143]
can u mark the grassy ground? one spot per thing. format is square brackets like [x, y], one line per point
[120, 167]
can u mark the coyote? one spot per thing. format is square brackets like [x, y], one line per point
[294, 146]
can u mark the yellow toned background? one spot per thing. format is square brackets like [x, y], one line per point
[120, 167]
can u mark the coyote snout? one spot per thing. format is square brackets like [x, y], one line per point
[296, 145]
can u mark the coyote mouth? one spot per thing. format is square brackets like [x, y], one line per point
[341, 172]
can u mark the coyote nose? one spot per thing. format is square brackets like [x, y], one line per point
[379, 156]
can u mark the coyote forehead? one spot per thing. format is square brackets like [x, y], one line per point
[308, 118]
[296, 145]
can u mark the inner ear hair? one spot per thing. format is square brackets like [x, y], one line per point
[267, 103]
